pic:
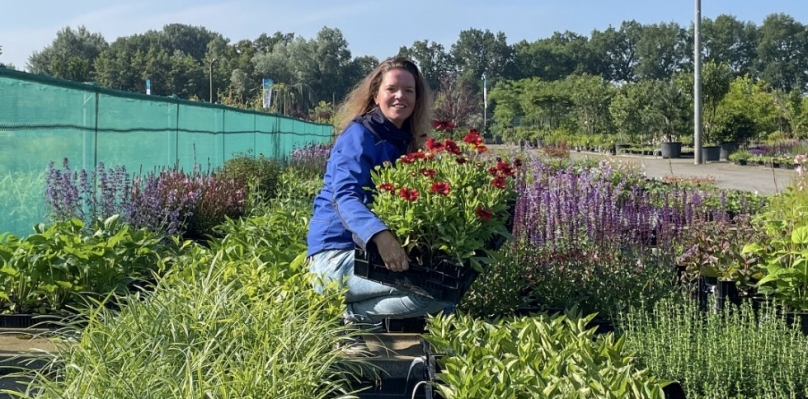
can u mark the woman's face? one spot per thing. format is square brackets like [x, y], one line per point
[396, 96]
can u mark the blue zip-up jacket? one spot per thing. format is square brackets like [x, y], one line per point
[341, 217]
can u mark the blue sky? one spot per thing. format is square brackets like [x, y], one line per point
[371, 27]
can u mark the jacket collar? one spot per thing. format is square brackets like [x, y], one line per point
[376, 122]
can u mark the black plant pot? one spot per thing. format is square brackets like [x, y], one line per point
[726, 149]
[671, 150]
[674, 390]
[724, 292]
[711, 153]
[798, 318]
[26, 320]
[438, 277]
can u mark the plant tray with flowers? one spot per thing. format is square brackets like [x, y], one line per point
[451, 206]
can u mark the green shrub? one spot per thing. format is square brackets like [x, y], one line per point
[534, 357]
[236, 320]
[733, 354]
[261, 173]
[204, 336]
[61, 265]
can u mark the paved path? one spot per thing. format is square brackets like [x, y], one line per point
[762, 179]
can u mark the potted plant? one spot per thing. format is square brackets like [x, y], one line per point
[447, 205]
[715, 258]
[669, 148]
[784, 267]
[740, 157]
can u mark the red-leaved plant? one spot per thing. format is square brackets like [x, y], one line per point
[447, 200]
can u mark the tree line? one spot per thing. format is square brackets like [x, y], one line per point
[629, 61]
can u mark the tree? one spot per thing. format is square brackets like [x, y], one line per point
[753, 99]
[456, 102]
[265, 44]
[668, 110]
[357, 70]
[191, 40]
[504, 96]
[729, 41]
[591, 96]
[782, 54]
[628, 109]
[717, 77]
[432, 60]
[71, 55]
[617, 50]
[663, 49]
[479, 51]
[554, 58]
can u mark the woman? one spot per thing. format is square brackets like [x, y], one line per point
[386, 116]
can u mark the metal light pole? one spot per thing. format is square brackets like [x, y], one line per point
[485, 103]
[697, 105]
[210, 75]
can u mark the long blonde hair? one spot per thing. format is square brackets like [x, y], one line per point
[361, 100]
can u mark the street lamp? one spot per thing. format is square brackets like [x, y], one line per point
[485, 103]
[210, 75]
[697, 119]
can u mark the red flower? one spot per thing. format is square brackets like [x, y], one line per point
[483, 214]
[441, 187]
[418, 155]
[452, 147]
[493, 171]
[481, 148]
[428, 172]
[442, 126]
[434, 145]
[509, 171]
[461, 160]
[409, 194]
[407, 158]
[498, 182]
[473, 138]
[386, 187]
[517, 162]
[501, 165]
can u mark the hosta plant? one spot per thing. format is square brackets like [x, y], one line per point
[451, 198]
[532, 357]
[61, 265]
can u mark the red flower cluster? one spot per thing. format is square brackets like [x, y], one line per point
[430, 173]
[447, 145]
[409, 194]
[443, 126]
[483, 214]
[441, 187]
[386, 187]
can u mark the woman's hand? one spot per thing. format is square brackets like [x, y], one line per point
[393, 255]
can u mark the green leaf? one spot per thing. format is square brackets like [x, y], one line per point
[800, 235]
[752, 248]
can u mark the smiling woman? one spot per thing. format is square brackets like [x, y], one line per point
[397, 96]
[383, 118]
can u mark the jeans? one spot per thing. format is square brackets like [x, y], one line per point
[368, 301]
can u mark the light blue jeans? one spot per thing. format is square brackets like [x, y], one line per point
[368, 301]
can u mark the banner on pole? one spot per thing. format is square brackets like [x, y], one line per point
[267, 89]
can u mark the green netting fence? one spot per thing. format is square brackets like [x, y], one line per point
[44, 119]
